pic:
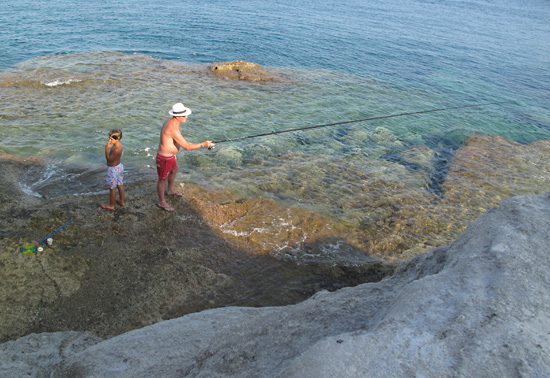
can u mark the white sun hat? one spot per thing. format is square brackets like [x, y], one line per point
[179, 110]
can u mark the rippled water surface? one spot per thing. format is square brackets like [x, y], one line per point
[74, 72]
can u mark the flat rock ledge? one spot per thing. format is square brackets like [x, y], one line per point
[478, 307]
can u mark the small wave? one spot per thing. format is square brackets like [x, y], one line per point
[45, 175]
[54, 179]
[57, 83]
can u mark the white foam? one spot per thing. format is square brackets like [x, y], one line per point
[241, 233]
[49, 171]
[79, 194]
[28, 190]
[56, 83]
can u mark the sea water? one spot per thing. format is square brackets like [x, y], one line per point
[73, 71]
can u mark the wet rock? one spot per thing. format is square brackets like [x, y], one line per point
[241, 70]
[261, 226]
[487, 170]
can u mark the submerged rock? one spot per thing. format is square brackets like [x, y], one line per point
[476, 307]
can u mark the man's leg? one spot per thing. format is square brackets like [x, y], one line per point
[171, 179]
[160, 189]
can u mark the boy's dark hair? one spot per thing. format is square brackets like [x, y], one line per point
[115, 134]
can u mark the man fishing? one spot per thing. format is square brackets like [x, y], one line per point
[171, 141]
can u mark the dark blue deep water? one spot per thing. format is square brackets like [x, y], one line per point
[498, 47]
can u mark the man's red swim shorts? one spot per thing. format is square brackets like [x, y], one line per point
[165, 165]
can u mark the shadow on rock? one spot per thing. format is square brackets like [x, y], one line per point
[111, 272]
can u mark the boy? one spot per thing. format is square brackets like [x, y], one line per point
[115, 170]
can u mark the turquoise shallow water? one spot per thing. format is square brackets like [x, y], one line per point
[73, 72]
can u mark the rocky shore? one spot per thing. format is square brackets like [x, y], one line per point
[82, 304]
[111, 272]
[476, 307]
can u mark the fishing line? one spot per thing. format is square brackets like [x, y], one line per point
[358, 120]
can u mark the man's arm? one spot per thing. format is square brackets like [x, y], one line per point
[180, 140]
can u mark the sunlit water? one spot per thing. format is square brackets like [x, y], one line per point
[74, 72]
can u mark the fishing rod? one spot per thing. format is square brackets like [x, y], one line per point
[359, 120]
[59, 229]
